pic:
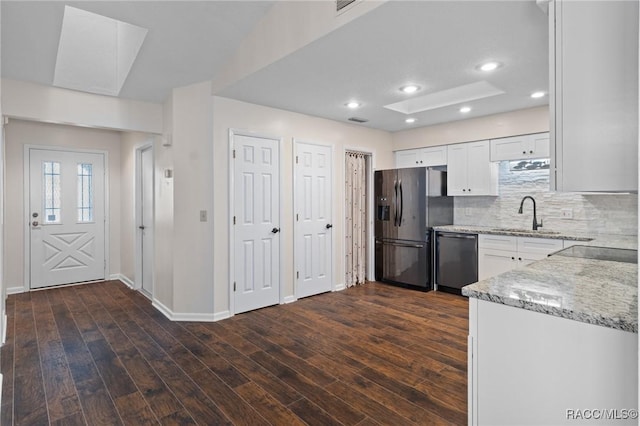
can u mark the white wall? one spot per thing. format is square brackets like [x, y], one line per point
[233, 114]
[193, 190]
[163, 214]
[48, 104]
[19, 133]
[520, 122]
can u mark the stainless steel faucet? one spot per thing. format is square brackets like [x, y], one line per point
[536, 225]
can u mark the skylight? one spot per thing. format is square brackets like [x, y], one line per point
[456, 95]
[95, 53]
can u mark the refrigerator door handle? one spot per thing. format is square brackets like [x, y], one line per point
[395, 200]
[401, 203]
[408, 245]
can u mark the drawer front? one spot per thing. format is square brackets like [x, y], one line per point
[497, 242]
[541, 246]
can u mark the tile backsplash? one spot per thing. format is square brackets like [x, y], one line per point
[592, 213]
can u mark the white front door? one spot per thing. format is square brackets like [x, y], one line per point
[256, 218]
[313, 196]
[146, 215]
[66, 217]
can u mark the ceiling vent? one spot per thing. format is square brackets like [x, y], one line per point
[358, 120]
[341, 4]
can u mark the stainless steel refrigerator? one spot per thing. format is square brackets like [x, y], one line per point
[409, 202]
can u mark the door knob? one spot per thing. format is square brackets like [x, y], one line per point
[275, 230]
[34, 214]
[34, 223]
[329, 226]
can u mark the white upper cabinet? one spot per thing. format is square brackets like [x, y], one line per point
[594, 95]
[520, 147]
[470, 171]
[421, 157]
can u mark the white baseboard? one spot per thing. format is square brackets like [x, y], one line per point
[182, 316]
[339, 287]
[163, 309]
[289, 299]
[124, 279]
[4, 328]
[15, 290]
[221, 315]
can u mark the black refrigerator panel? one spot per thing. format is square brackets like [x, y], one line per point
[386, 210]
[411, 205]
[404, 262]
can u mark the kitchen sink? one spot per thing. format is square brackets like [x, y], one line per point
[525, 231]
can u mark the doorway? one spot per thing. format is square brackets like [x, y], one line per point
[255, 221]
[144, 219]
[358, 217]
[313, 240]
[67, 216]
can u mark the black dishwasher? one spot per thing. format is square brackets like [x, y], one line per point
[456, 261]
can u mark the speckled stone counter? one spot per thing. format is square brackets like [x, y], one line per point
[542, 233]
[601, 292]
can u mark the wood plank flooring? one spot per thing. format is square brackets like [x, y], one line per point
[101, 354]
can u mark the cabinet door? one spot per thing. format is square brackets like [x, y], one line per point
[594, 96]
[513, 148]
[457, 169]
[407, 158]
[494, 262]
[482, 176]
[435, 156]
[539, 145]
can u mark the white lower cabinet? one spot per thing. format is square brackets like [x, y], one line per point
[502, 253]
[530, 368]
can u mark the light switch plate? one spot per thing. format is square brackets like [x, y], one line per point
[203, 215]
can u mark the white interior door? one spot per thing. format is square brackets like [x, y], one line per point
[66, 217]
[146, 215]
[256, 217]
[313, 197]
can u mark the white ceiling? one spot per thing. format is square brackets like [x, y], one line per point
[187, 42]
[435, 44]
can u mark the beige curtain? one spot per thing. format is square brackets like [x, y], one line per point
[356, 218]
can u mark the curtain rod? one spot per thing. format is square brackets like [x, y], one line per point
[351, 151]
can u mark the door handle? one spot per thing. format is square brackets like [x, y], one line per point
[329, 226]
[141, 227]
[35, 223]
[401, 204]
[395, 215]
[275, 230]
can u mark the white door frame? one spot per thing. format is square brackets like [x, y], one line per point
[137, 281]
[371, 160]
[296, 224]
[26, 191]
[231, 188]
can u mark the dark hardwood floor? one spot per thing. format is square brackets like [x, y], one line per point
[101, 354]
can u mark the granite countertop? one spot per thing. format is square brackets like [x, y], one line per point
[594, 291]
[542, 233]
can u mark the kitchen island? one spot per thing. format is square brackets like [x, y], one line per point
[556, 342]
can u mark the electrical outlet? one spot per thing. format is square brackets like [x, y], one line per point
[203, 215]
[567, 213]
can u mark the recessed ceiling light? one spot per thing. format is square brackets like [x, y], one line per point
[465, 109]
[489, 66]
[536, 95]
[410, 120]
[410, 88]
[353, 104]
